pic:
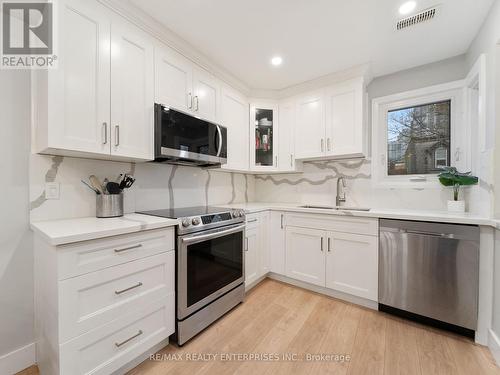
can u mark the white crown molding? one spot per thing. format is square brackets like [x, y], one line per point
[144, 21]
[358, 71]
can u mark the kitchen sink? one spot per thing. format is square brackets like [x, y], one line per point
[337, 208]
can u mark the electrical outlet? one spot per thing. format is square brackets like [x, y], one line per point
[52, 190]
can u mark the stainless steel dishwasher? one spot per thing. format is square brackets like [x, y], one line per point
[430, 272]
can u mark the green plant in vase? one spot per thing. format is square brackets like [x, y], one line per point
[452, 177]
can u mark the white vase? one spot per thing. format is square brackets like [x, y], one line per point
[456, 206]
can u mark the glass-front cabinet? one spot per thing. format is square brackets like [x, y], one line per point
[263, 135]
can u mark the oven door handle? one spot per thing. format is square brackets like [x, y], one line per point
[203, 237]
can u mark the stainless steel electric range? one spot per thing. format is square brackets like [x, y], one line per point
[210, 270]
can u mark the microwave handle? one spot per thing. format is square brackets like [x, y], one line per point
[219, 148]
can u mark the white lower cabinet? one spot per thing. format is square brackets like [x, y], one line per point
[277, 242]
[100, 304]
[338, 260]
[305, 256]
[257, 252]
[352, 264]
[251, 255]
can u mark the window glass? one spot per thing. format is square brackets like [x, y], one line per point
[418, 139]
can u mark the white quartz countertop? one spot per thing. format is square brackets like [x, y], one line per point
[60, 232]
[402, 214]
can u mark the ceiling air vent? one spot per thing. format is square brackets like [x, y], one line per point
[423, 16]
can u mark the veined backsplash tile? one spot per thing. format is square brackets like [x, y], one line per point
[318, 185]
[157, 186]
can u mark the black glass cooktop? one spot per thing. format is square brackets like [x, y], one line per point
[178, 213]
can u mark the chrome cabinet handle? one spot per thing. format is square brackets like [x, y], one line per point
[105, 133]
[118, 292]
[329, 250]
[281, 221]
[190, 101]
[118, 344]
[251, 220]
[328, 144]
[291, 160]
[128, 248]
[322, 145]
[246, 244]
[276, 161]
[321, 243]
[197, 102]
[117, 135]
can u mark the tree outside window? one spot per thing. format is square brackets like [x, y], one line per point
[419, 139]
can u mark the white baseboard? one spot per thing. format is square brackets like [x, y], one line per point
[494, 345]
[18, 360]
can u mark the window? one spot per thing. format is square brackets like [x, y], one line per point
[417, 138]
[415, 133]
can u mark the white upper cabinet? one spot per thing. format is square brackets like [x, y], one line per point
[234, 116]
[174, 78]
[264, 132]
[99, 101]
[73, 100]
[330, 122]
[310, 126]
[132, 92]
[344, 119]
[205, 95]
[182, 85]
[286, 137]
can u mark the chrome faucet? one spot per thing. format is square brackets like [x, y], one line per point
[340, 198]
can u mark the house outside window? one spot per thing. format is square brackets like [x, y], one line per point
[416, 133]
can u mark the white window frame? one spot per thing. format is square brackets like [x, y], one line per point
[459, 145]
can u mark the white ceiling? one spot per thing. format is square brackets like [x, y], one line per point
[316, 37]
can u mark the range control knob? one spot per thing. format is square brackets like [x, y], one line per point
[186, 223]
[195, 221]
[242, 213]
[235, 214]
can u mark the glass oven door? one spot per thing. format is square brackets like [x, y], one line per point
[210, 263]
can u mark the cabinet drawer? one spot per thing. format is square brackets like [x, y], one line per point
[88, 301]
[106, 349]
[253, 220]
[338, 223]
[89, 256]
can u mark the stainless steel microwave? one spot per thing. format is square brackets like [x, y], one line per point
[187, 140]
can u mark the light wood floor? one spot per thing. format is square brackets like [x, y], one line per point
[277, 318]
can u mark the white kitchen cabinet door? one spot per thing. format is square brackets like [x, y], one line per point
[132, 92]
[277, 242]
[173, 79]
[264, 136]
[287, 115]
[305, 255]
[252, 255]
[77, 99]
[265, 261]
[352, 264]
[234, 116]
[344, 120]
[310, 126]
[205, 95]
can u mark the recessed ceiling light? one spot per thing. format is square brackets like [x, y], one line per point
[407, 7]
[276, 60]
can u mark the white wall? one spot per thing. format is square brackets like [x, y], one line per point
[487, 41]
[16, 245]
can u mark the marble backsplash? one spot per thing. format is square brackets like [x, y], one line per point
[317, 185]
[157, 186]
